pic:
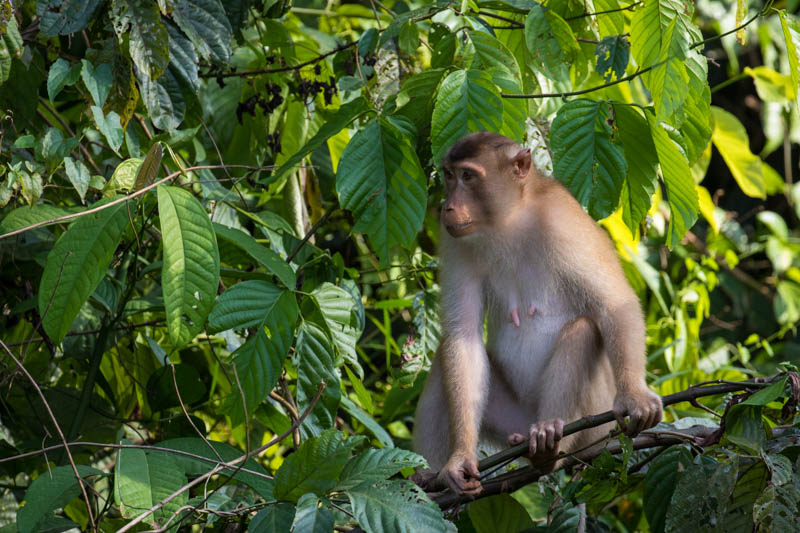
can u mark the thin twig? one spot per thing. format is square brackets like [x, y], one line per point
[125, 198]
[310, 232]
[81, 484]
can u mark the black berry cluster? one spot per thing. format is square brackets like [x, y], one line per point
[310, 88]
[249, 106]
[274, 141]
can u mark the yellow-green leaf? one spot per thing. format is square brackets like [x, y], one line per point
[730, 138]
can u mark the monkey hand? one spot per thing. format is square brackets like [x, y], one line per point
[642, 405]
[543, 441]
[461, 474]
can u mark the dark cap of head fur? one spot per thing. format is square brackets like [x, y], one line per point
[473, 145]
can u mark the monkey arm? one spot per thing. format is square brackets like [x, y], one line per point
[463, 357]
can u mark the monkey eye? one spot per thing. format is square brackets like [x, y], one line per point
[467, 175]
[448, 174]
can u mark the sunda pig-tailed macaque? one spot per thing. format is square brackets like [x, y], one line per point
[566, 335]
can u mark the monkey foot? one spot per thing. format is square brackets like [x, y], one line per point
[515, 317]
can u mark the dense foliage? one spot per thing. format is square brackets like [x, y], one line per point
[218, 232]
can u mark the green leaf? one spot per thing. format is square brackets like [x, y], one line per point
[247, 304]
[333, 125]
[791, 35]
[75, 266]
[190, 269]
[314, 467]
[276, 516]
[53, 489]
[640, 154]
[98, 81]
[776, 509]
[499, 514]
[376, 465]
[369, 423]
[696, 128]
[771, 86]
[669, 81]
[312, 517]
[109, 125]
[62, 17]
[78, 175]
[551, 42]
[182, 58]
[207, 26]
[584, 157]
[659, 484]
[61, 75]
[11, 46]
[415, 99]
[142, 479]
[259, 361]
[491, 53]
[681, 193]
[566, 519]
[196, 467]
[409, 38]
[743, 427]
[380, 180]
[124, 176]
[337, 308]
[467, 101]
[739, 510]
[700, 495]
[396, 507]
[264, 255]
[140, 22]
[316, 363]
[731, 139]
[27, 216]
[163, 99]
[787, 302]
[149, 168]
[162, 384]
[612, 57]
[767, 394]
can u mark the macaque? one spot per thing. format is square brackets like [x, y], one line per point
[565, 331]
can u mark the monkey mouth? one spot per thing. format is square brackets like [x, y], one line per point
[459, 227]
[459, 230]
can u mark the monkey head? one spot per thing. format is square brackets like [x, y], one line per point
[484, 176]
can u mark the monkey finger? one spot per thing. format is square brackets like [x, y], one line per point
[541, 440]
[620, 417]
[515, 438]
[550, 437]
[471, 471]
[559, 429]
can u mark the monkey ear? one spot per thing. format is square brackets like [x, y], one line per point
[521, 163]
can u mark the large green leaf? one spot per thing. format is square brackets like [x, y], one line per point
[316, 363]
[467, 101]
[659, 484]
[27, 216]
[142, 479]
[776, 509]
[140, 22]
[669, 81]
[62, 17]
[700, 495]
[791, 34]
[314, 467]
[264, 255]
[415, 99]
[612, 57]
[311, 516]
[377, 465]
[182, 58]
[731, 139]
[246, 305]
[11, 46]
[396, 507]
[53, 489]
[491, 53]
[739, 510]
[381, 181]
[333, 125]
[163, 99]
[640, 154]
[697, 127]
[190, 268]
[499, 514]
[551, 43]
[276, 516]
[75, 266]
[259, 361]
[681, 193]
[337, 309]
[584, 157]
[205, 23]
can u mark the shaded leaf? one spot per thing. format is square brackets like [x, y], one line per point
[62, 17]
[395, 507]
[52, 490]
[612, 57]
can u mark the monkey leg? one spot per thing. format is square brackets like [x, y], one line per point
[576, 381]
